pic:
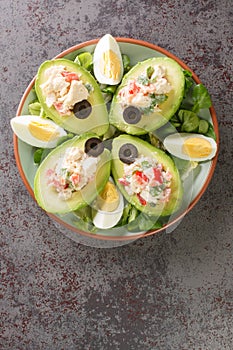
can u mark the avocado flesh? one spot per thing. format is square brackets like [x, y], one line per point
[147, 150]
[97, 122]
[155, 120]
[46, 195]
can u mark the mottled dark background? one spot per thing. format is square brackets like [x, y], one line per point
[168, 291]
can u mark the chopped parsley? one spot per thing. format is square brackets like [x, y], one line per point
[142, 79]
[155, 100]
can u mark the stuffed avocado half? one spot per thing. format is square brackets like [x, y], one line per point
[71, 97]
[146, 176]
[148, 96]
[72, 175]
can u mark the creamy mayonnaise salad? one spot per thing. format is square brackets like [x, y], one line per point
[72, 172]
[63, 89]
[147, 91]
[148, 180]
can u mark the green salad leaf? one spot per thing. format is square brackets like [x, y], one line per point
[201, 98]
[40, 154]
[189, 121]
[144, 222]
[126, 63]
[35, 108]
[85, 59]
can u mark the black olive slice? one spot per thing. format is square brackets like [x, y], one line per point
[132, 115]
[128, 153]
[82, 109]
[94, 147]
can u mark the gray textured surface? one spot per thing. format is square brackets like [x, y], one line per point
[169, 291]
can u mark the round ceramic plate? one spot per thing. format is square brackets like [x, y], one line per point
[194, 186]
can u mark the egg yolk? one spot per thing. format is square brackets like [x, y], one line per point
[108, 199]
[111, 65]
[43, 132]
[197, 147]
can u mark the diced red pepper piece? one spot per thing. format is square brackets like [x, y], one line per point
[69, 76]
[141, 177]
[123, 182]
[58, 106]
[158, 175]
[50, 172]
[133, 88]
[141, 200]
[75, 178]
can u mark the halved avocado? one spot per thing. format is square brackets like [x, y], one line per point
[147, 150]
[154, 120]
[97, 120]
[47, 196]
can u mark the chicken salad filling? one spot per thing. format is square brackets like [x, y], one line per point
[72, 172]
[148, 180]
[63, 89]
[146, 92]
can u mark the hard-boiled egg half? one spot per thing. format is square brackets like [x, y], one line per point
[37, 131]
[107, 61]
[108, 207]
[189, 146]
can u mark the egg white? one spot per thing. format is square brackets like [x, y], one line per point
[20, 126]
[174, 143]
[108, 219]
[106, 43]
